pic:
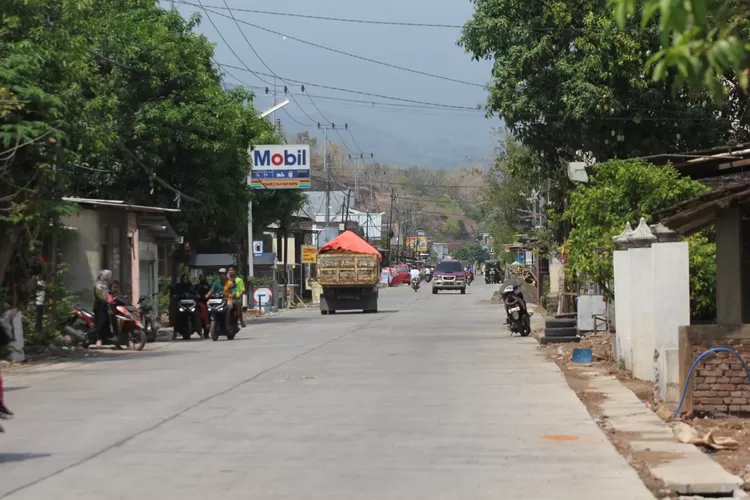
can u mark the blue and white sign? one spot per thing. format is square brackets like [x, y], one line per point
[281, 167]
[258, 248]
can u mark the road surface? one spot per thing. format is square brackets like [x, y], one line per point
[428, 399]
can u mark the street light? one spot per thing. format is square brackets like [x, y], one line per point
[250, 271]
[275, 107]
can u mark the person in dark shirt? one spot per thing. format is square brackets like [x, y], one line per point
[202, 289]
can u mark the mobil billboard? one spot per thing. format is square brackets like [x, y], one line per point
[281, 167]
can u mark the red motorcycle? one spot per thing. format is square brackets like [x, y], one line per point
[125, 321]
[469, 277]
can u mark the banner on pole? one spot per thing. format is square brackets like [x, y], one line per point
[309, 254]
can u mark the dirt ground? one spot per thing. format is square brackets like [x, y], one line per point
[734, 461]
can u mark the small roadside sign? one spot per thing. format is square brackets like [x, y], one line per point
[309, 254]
[258, 248]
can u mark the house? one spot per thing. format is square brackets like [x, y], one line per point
[315, 210]
[130, 240]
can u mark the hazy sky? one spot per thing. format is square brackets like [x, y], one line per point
[401, 135]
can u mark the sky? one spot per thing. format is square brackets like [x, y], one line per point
[429, 136]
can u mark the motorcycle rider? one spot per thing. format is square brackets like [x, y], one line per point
[202, 289]
[428, 273]
[237, 292]
[414, 275]
[184, 287]
[222, 285]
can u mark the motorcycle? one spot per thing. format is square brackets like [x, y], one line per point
[415, 284]
[125, 321]
[518, 318]
[428, 277]
[489, 276]
[145, 308]
[220, 323]
[469, 277]
[188, 321]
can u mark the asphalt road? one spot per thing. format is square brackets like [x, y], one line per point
[428, 399]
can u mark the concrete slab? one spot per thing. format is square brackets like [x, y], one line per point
[684, 468]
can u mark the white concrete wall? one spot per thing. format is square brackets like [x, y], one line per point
[671, 299]
[81, 252]
[555, 277]
[623, 314]
[642, 312]
[652, 300]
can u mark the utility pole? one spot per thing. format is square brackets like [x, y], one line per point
[326, 168]
[354, 158]
[390, 225]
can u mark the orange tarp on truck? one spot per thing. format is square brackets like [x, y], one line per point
[349, 242]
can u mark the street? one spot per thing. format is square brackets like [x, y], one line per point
[428, 399]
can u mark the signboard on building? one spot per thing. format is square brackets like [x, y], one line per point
[309, 254]
[417, 243]
[280, 167]
[258, 248]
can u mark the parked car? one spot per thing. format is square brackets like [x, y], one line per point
[401, 275]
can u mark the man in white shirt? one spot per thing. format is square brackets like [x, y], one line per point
[414, 273]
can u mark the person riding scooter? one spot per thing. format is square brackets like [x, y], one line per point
[223, 286]
[202, 289]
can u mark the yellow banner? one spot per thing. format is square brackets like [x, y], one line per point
[417, 243]
[309, 254]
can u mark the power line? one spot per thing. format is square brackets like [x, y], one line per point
[348, 54]
[230, 47]
[338, 19]
[339, 89]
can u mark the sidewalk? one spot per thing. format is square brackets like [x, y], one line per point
[666, 465]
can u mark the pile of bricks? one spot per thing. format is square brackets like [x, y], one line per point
[720, 385]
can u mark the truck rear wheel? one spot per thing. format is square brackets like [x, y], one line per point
[324, 313]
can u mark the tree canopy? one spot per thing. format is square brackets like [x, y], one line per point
[702, 40]
[120, 100]
[471, 252]
[622, 191]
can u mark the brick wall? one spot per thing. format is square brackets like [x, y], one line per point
[720, 385]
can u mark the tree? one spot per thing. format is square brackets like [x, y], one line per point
[119, 99]
[623, 191]
[701, 40]
[569, 84]
[471, 252]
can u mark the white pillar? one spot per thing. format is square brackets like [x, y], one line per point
[671, 300]
[642, 302]
[623, 298]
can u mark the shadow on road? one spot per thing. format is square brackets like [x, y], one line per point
[17, 388]
[20, 457]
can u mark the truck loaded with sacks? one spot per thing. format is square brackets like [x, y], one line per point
[349, 274]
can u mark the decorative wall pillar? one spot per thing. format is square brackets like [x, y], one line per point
[671, 302]
[623, 318]
[642, 300]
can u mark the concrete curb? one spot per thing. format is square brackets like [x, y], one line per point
[682, 467]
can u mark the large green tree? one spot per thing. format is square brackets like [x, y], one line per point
[623, 191]
[701, 40]
[119, 99]
[569, 84]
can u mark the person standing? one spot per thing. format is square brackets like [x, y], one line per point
[101, 306]
[41, 285]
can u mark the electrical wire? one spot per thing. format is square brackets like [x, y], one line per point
[242, 32]
[338, 19]
[348, 54]
[218, 31]
[339, 89]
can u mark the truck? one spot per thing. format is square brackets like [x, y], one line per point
[349, 274]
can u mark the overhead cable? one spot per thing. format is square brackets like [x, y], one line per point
[341, 52]
[339, 89]
[338, 19]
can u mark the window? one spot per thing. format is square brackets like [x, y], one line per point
[449, 266]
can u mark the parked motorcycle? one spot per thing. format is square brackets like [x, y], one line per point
[127, 328]
[518, 318]
[145, 308]
[415, 284]
[220, 323]
[188, 321]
